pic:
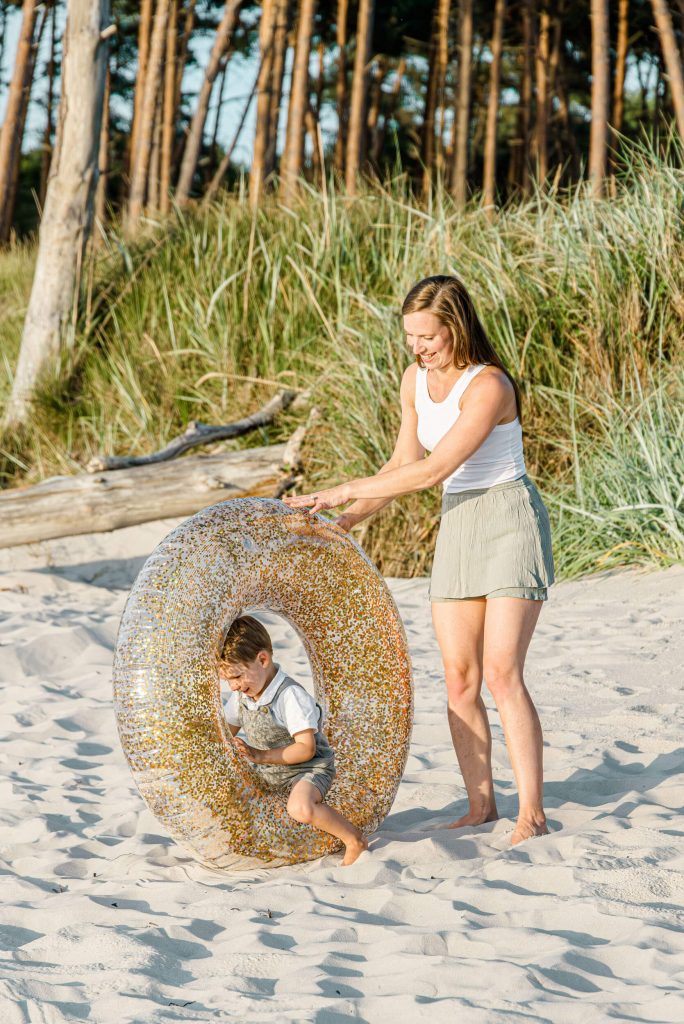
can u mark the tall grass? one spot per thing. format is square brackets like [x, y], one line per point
[215, 309]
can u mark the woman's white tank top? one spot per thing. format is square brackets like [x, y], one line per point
[500, 456]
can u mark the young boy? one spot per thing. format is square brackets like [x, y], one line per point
[281, 722]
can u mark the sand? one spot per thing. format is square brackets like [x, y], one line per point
[103, 918]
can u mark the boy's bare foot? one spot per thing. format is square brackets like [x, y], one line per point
[353, 849]
[476, 818]
[528, 828]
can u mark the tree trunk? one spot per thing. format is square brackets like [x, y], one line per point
[542, 113]
[291, 167]
[67, 216]
[263, 104]
[341, 84]
[357, 112]
[489, 179]
[282, 24]
[519, 144]
[144, 33]
[600, 95]
[673, 63]
[442, 57]
[459, 183]
[155, 157]
[193, 145]
[103, 155]
[428, 134]
[188, 26]
[213, 147]
[47, 137]
[168, 110]
[374, 106]
[390, 107]
[12, 132]
[620, 65]
[147, 116]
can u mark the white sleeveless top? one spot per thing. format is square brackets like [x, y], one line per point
[500, 456]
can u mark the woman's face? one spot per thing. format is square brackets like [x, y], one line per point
[429, 338]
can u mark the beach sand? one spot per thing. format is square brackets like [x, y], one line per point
[103, 918]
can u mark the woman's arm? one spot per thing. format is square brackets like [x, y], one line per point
[487, 401]
[303, 749]
[407, 449]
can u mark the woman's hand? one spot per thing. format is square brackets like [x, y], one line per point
[251, 753]
[330, 498]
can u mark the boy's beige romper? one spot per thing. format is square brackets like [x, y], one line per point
[262, 731]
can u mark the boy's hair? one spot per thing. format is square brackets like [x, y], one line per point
[243, 641]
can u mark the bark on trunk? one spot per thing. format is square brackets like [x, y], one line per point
[357, 112]
[147, 115]
[620, 65]
[374, 105]
[193, 145]
[390, 108]
[144, 33]
[600, 95]
[489, 178]
[263, 111]
[291, 167]
[103, 154]
[442, 57]
[341, 84]
[168, 110]
[518, 165]
[542, 112]
[282, 24]
[67, 216]
[671, 55]
[459, 183]
[155, 157]
[428, 134]
[15, 113]
[47, 137]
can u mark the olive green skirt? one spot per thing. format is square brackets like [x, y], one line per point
[493, 542]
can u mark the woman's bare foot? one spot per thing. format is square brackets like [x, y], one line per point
[528, 828]
[353, 849]
[476, 817]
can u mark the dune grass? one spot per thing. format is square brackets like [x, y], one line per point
[214, 310]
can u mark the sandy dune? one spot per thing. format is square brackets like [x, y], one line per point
[103, 918]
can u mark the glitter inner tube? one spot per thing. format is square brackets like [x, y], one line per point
[257, 553]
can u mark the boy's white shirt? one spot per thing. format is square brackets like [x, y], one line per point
[294, 709]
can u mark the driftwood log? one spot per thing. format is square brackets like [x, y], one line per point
[91, 503]
[200, 434]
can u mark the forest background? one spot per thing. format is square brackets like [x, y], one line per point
[273, 178]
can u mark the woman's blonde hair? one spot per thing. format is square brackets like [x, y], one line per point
[447, 298]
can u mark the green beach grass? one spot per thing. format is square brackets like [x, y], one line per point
[213, 311]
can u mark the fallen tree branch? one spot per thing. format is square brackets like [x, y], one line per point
[64, 506]
[198, 434]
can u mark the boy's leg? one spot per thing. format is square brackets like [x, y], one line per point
[305, 804]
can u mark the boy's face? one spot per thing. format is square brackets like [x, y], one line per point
[250, 678]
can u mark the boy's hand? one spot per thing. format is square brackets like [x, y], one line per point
[251, 753]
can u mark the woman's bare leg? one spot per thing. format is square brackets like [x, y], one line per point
[459, 628]
[508, 628]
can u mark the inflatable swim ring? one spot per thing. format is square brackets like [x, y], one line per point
[257, 553]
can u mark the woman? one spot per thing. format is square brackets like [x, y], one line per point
[493, 560]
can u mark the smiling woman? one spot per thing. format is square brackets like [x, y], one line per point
[461, 428]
